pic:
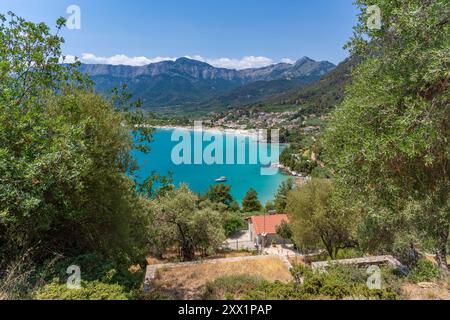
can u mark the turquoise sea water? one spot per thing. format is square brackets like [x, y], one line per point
[199, 177]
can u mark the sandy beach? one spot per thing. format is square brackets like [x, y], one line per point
[214, 130]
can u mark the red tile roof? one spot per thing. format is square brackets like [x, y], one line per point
[268, 223]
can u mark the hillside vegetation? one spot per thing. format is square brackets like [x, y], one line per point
[69, 195]
[188, 85]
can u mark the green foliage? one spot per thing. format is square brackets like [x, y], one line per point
[323, 96]
[208, 231]
[73, 194]
[93, 267]
[284, 230]
[321, 173]
[29, 61]
[298, 158]
[282, 195]
[64, 155]
[233, 223]
[234, 206]
[91, 290]
[317, 98]
[339, 282]
[424, 271]
[349, 253]
[269, 206]
[14, 279]
[231, 287]
[156, 185]
[316, 219]
[251, 202]
[178, 219]
[405, 251]
[388, 141]
[220, 193]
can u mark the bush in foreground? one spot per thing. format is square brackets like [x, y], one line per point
[424, 271]
[231, 287]
[91, 290]
[338, 283]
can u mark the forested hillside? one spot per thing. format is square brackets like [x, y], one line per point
[318, 97]
[187, 84]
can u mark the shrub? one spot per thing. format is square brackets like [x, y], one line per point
[275, 291]
[335, 287]
[284, 231]
[299, 271]
[14, 282]
[349, 282]
[230, 287]
[233, 223]
[339, 282]
[406, 254]
[312, 284]
[94, 267]
[425, 270]
[91, 290]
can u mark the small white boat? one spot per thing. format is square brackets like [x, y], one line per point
[221, 179]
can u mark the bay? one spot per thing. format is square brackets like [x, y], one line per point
[199, 177]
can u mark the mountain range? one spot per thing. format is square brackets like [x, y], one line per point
[186, 82]
[318, 97]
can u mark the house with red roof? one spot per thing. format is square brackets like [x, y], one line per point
[263, 229]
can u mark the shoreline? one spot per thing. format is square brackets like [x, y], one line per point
[214, 130]
[298, 177]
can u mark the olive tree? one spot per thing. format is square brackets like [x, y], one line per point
[185, 224]
[317, 220]
[388, 141]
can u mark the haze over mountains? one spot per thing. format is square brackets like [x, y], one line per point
[187, 82]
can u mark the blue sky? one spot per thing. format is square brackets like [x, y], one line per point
[227, 33]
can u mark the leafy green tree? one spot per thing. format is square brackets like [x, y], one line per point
[208, 231]
[63, 186]
[185, 224]
[251, 202]
[215, 206]
[64, 155]
[269, 206]
[234, 206]
[233, 223]
[220, 193]
[282, 194]
[30, 61]
[388, 141]
[316, 220]
[284, 230]
[156, 185]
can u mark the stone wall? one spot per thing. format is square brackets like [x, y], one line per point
[151, 270]
[361, 262]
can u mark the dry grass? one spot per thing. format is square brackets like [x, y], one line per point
[172, 257]
[298, 259]
[187, 282]
[415, 292]
[231, 254]
[14, 280]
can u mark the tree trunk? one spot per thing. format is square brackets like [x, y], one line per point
[187, 251]
[187, 248]
[328, 246]
[336, 251]
[441, 251]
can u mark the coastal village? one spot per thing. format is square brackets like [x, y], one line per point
[249, 119]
